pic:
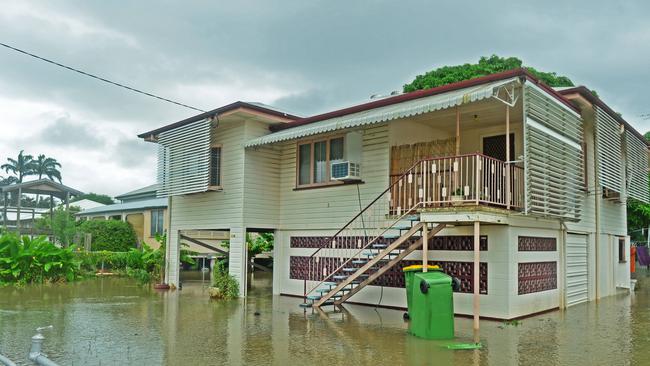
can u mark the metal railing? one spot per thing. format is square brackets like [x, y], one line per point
[471, 179]
[463, 180]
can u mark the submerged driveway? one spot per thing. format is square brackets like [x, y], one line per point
[112, 321]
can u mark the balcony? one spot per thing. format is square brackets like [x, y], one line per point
[457, 181]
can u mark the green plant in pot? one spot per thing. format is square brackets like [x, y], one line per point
[457, 197]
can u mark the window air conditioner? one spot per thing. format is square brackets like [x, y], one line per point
[346, 171]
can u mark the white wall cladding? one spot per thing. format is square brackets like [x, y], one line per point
[553, 158]
[609, 151]
[637, 167]
[184, 159]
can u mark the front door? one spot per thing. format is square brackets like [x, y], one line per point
[495, 147]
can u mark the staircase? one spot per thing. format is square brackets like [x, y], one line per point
[380, 236]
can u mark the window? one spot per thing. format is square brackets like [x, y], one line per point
[621, 250]
[157, 222]
[215, 166]
[315, 159]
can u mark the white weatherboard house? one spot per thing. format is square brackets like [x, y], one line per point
[519, 188]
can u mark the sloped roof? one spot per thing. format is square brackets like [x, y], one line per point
[138, 192]
[126, 207]
[42, 186]
[232, 106]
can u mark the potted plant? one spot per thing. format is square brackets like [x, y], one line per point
[457, 197]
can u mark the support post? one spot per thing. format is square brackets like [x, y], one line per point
[508, 158]
[67, 201]
[51, 208]
[20, 195]
[477, 277]
[4, 196]
[457, 131]
[425, 247]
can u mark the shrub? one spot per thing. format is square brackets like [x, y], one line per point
[24, 260]
[111, 235]
[226, 285]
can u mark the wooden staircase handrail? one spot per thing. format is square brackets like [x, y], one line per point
[390, 264]
[394, 245]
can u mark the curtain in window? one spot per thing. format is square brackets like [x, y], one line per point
[336, 150]
[320, 162]
[304, 158]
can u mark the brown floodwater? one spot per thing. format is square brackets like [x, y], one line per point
[114, 321]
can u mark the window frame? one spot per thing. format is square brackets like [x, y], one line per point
[220, 185]
[622, 258]
[311, 142]
[157, 211]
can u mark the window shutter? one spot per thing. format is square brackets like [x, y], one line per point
[609, 147]
[184, 159]
[637, 167]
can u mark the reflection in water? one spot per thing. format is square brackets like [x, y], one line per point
[113, 321]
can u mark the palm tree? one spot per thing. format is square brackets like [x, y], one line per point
[46, 166]
[21, 167]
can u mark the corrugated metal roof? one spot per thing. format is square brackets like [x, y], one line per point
[387, 113]
[129, 206]
[150, 189]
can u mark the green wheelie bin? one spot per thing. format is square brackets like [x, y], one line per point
[432, 305]
[409, 272]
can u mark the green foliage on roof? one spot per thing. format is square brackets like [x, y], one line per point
[485, 66]
[99, 198]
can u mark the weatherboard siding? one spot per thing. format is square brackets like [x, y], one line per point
[331, 207]
[261, 181]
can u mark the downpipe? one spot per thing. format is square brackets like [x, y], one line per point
[35, 352]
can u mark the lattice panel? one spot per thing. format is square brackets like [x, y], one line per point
[394, 277]
[537, 277]
[536, 244]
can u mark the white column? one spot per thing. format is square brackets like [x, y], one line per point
[238, 257]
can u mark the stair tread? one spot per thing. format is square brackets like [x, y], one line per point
[305, 305]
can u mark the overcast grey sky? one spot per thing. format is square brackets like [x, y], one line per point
[304, 56]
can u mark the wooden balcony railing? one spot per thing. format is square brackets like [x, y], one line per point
[472, 179]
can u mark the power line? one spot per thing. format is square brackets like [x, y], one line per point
[99, 77]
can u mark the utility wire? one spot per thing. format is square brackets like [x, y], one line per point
[99, 77]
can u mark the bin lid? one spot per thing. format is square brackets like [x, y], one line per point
[418, 268]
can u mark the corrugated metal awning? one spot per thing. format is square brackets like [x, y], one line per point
[387, 113]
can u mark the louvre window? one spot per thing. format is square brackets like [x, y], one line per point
[215, 166]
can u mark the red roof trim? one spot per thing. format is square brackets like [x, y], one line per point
[226, 108]
[587, 94]
[426, 93]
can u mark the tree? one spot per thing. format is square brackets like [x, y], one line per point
[638, 214]
[485, 66]
[99, 198]
[62, 224]
[44, 166]
[20, 167]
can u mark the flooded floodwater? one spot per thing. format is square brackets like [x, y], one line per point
[114, 321]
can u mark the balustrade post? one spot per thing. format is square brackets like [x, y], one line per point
[479, 190]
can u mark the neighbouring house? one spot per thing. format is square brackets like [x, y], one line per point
[85, 204]
[520, 190]
[141, 208]
[18, 218]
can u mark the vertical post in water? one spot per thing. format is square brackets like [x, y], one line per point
[477, 258]
[425, 247]
[508, 158]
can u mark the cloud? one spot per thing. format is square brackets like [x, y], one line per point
[307, 56]
[64, 132]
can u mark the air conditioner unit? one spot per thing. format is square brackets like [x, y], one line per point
[346, 171]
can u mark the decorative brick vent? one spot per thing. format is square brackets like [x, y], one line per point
[536, 244]
[298, 270]
[449, 242]
[537, 277]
